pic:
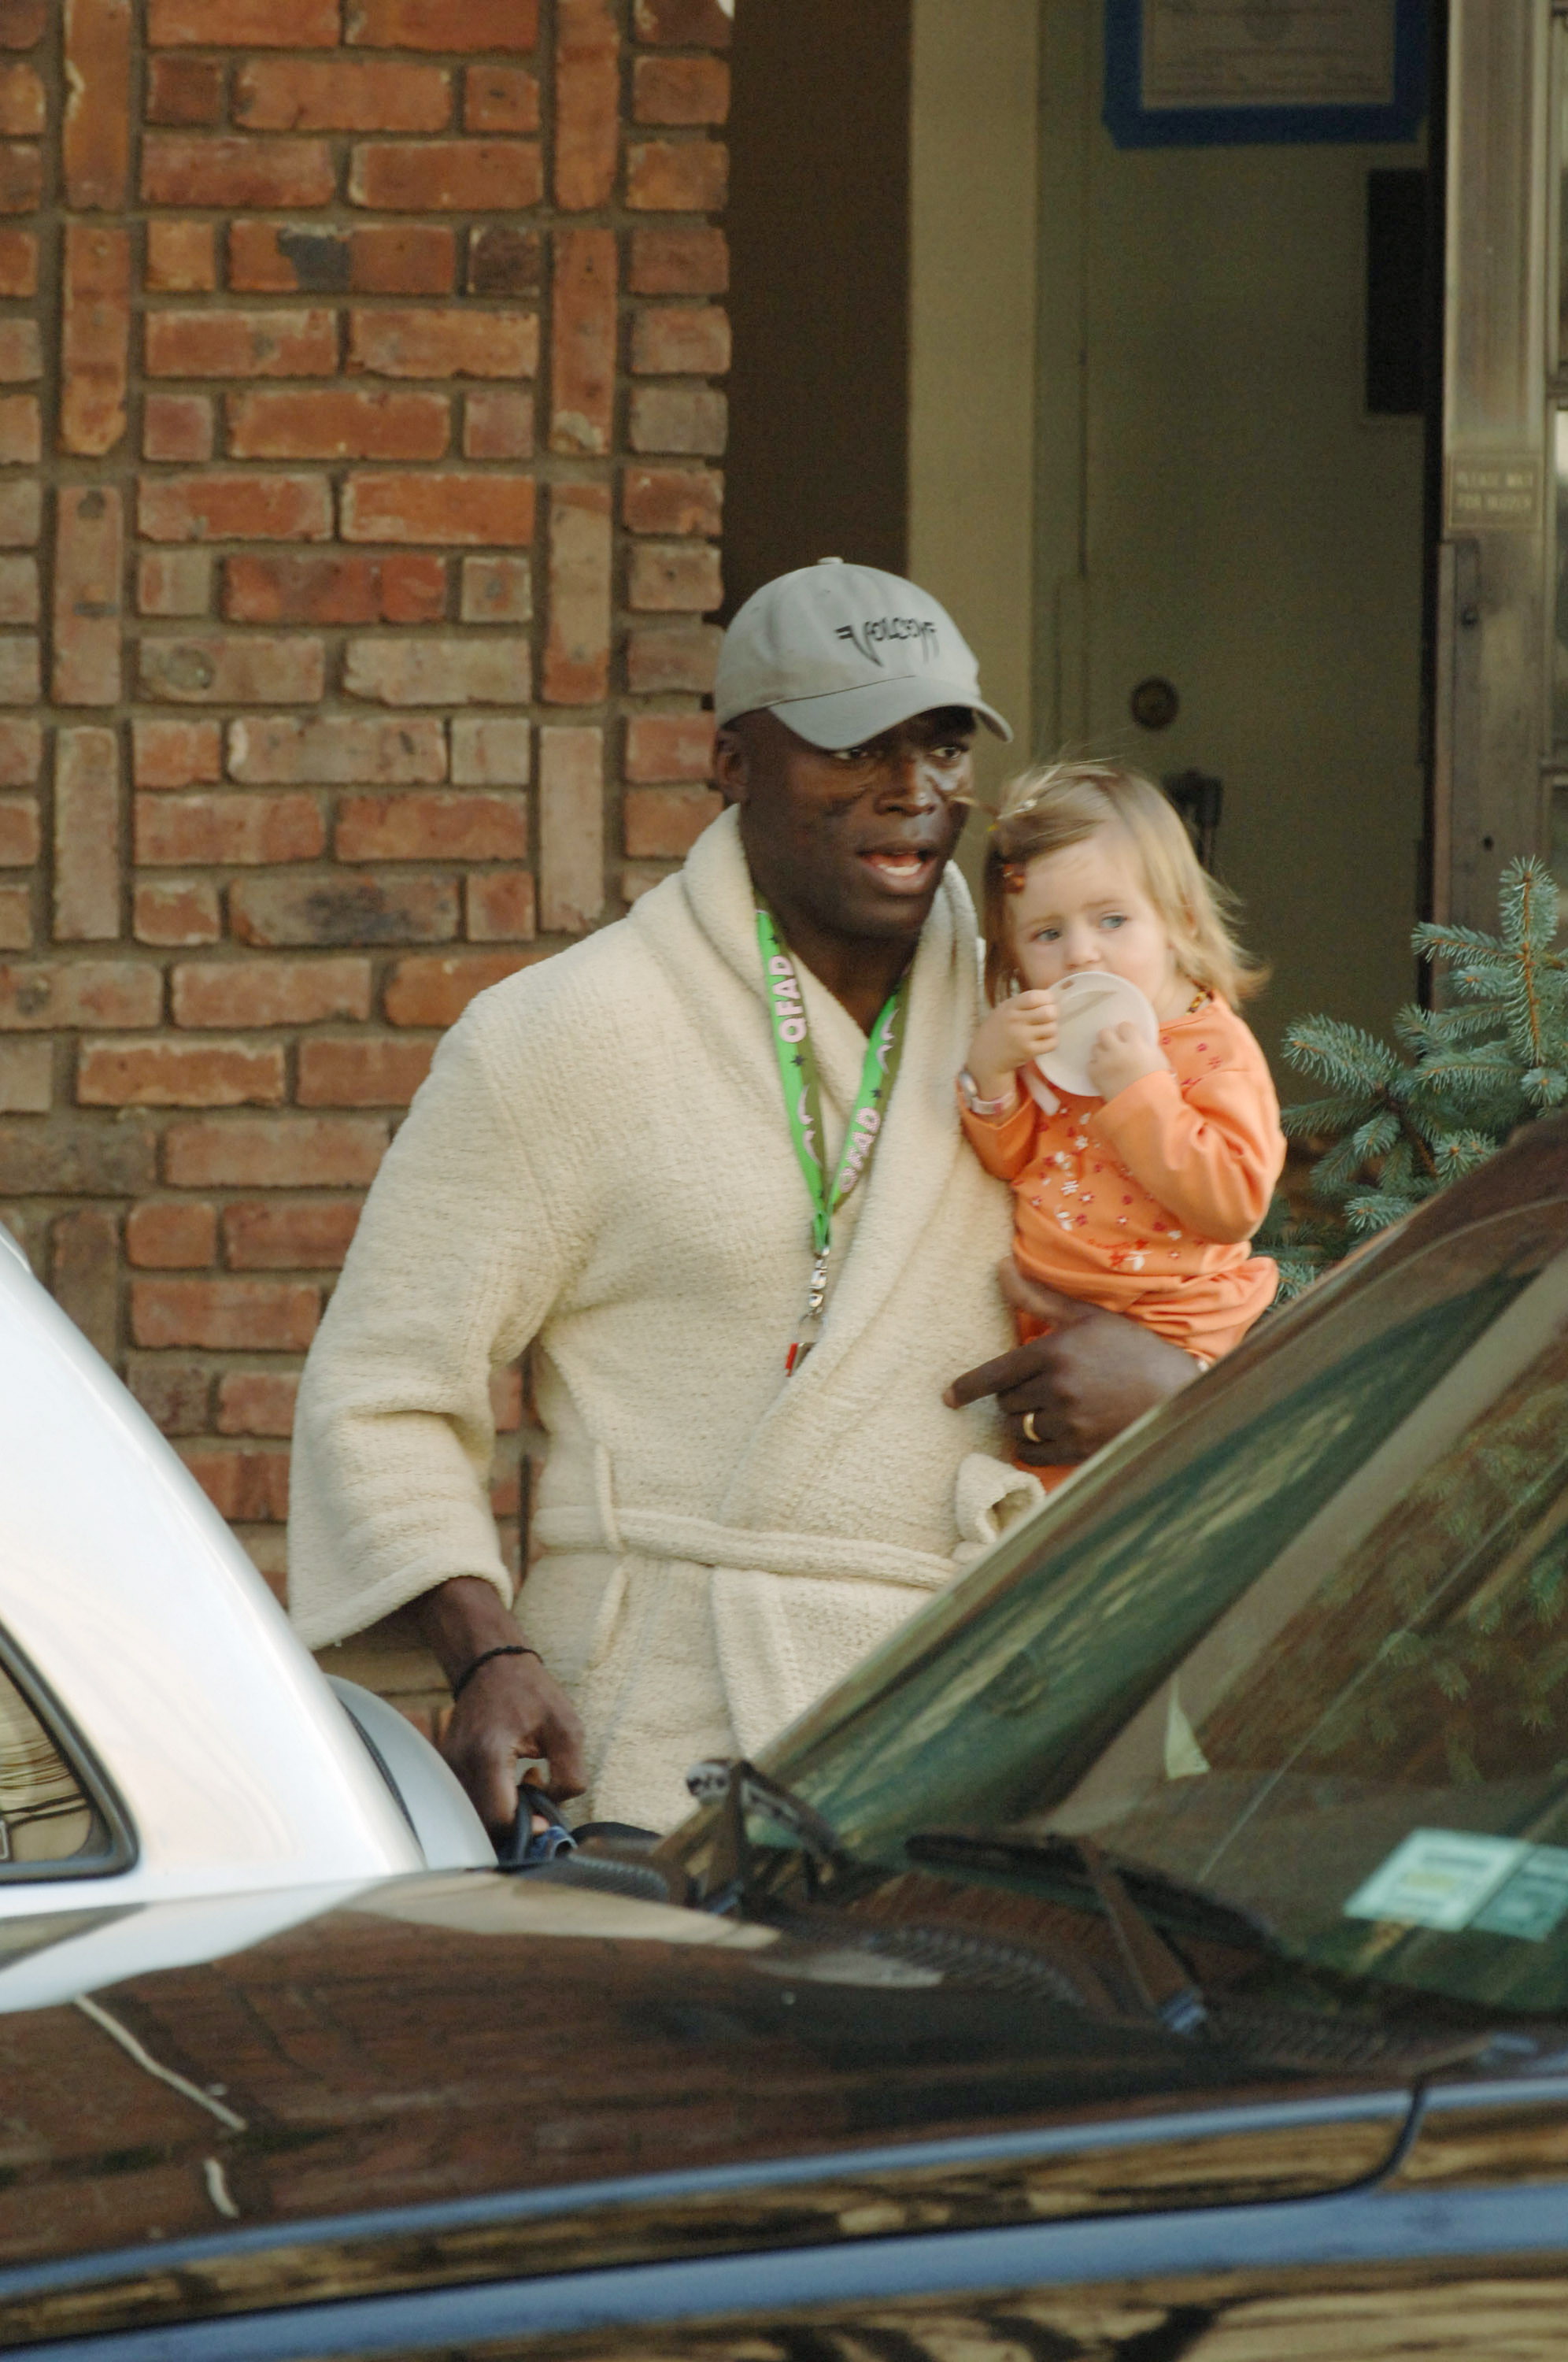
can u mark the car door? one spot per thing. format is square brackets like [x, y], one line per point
[1460, 2248]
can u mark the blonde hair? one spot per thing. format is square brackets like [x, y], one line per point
[1063, 803]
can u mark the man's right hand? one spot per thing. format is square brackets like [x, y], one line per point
[511, 1713]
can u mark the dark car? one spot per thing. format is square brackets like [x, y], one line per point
[1159, 1948]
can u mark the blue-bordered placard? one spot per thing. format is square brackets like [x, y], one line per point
[1207, 73]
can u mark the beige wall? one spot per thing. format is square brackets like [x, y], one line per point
[973, 162]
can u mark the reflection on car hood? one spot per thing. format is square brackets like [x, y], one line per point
[528, 2075]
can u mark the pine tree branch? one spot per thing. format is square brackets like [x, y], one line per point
[1399, 1125]
[1424, 1156]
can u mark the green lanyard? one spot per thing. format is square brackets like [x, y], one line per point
[803, 1102]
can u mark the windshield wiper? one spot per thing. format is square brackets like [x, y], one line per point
[1161, 1980]
[741, 1792]
[1199, 1909]
[1160, 1977]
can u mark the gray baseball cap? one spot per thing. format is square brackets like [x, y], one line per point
[842, 653]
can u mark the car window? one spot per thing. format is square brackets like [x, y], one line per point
[1310, 1653]
[52, 1816]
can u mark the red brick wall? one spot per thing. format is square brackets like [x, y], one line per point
[357, 517]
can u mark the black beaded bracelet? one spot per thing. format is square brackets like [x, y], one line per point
[461, 1684]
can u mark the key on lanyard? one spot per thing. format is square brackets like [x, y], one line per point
[802, 1102]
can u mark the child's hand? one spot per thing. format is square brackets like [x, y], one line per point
[1015, 1031]
[1122, 1056]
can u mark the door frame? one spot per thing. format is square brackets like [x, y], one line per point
[1491, 740]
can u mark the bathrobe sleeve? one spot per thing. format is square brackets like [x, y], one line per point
[462, 1251]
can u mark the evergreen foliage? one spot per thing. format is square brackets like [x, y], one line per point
[1403, 1121]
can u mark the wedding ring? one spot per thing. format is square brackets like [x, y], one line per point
[1029, 1427]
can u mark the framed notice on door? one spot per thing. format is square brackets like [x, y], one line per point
[1202, 73]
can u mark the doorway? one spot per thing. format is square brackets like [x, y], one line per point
[817, 220]
[1231, 548]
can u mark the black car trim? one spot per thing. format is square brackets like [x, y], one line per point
[379, 1760]
[1523, 2091]
[1355, 2228]
[121, 1851]
[18, 2282]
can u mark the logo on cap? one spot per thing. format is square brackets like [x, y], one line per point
[891, 627]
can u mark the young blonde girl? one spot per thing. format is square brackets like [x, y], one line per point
[1144, 1197]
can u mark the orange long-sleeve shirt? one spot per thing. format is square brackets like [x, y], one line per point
[1145, 1203]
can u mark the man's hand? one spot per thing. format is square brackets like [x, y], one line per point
[1017, 1030]
[1093, 1374]
[512, 1711]
[1121, 1057]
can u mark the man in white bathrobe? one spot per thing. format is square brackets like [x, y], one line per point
[753, 1475]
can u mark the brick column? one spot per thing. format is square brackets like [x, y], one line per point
[357, 411]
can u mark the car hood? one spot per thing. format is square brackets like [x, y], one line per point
[466, 2075]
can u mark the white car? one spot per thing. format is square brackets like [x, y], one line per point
[164, 1737]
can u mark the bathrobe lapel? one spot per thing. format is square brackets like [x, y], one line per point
[911, 1174]
[920, 1144]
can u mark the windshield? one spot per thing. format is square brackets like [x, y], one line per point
[1305, 1646]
